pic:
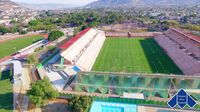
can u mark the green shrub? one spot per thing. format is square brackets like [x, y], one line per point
[40, 91]
[81, 103]
[55, 35]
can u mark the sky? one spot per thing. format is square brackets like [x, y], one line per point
[74, 2]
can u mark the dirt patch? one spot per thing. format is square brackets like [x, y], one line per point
[57, 105]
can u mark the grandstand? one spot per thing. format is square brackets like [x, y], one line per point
[183, 49]
[83, 51]
[189, 42]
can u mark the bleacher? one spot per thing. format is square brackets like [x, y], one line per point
[187, 63]
[84, 51]
[187, 41]
[88, 58]
[30, 49]
[71, 54]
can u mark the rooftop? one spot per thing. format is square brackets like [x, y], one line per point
[68, 43]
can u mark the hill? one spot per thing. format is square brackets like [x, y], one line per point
[46, 6]
[144, 3]
[7, 5]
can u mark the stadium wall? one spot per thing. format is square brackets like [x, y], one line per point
[129, 34]
[151, 85]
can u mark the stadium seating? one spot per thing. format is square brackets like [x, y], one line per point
[72, 52]
[30, 49]
[185, 62]
[185, 41]
[88, 58]
[84, 51]
[67, 44]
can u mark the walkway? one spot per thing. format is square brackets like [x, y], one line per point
[20, 88]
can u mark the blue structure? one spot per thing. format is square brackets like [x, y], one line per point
[75, 68]
[99, 106]
[182, 99]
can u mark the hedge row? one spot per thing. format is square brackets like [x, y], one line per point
[130, 101]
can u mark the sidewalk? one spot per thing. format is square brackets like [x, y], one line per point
[20, 100]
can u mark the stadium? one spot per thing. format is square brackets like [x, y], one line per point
[126, 65]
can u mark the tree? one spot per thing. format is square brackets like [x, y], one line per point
[13, 21]
[23, 32]
[14, 29]
[32, 59]
[51, 48]
[41, 91]
[33, 22]
[76, 30]
[55, 35]
[3, 30]
[50, 27]
[184, 19]
[83, 27]
[81, 103]
[171, 23]
[191, 27]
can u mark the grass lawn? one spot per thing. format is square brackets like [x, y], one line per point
[134, 55]
[6, 94]
[8, 48]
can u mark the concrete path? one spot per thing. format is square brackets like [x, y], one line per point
[20, 100]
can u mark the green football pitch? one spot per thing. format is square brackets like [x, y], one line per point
[137, 55]
[6, 94]
[9, 47]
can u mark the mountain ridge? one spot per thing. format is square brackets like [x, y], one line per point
[7, 4]
[46, 6]
[144, 3]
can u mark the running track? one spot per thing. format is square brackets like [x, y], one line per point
[21, 36]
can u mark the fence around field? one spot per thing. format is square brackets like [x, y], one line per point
[128, 34]
[151, 85]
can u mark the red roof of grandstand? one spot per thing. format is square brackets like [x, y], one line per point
[74, 39]
[189, 35]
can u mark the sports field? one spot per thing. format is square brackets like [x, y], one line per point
[6, 94]
[134, 55]
[9, 47]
